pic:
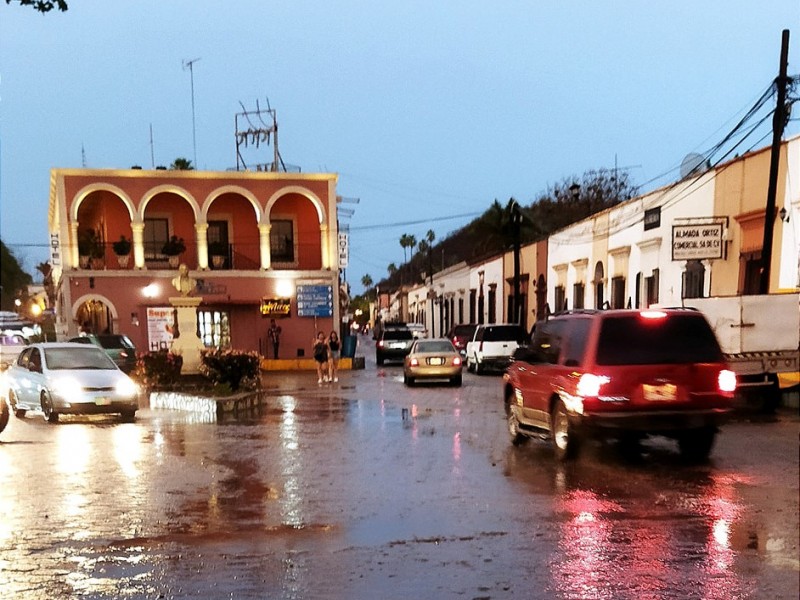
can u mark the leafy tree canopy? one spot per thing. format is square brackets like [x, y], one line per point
[13, 280]
[43, 6]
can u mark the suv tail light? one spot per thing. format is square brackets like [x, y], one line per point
[589, 385]
[653, 314]
[380, 344]
[726, 381]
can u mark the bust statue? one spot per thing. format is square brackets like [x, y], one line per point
[183, 282]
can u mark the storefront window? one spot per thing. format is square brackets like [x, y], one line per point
[215, 330]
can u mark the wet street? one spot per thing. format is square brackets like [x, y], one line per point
[369, 489]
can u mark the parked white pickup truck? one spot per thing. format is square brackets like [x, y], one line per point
[760, 336]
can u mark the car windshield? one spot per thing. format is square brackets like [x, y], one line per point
[115, 342]
[77, 358]
[505, 333]
[464, 331]
[437, 346]
[397, 334]
[634, 340]
[11, 340]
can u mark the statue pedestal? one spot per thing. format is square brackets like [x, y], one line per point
[187, 344]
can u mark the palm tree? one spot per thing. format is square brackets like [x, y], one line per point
[181, 164]
[430, 236]
[412, 242]
[367, 282]
[404, 243]
[392, 269]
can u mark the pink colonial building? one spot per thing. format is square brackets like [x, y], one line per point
[255, 242]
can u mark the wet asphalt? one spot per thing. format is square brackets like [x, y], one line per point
[368, 489]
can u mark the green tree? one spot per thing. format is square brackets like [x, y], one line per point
[13, 280]
[405, 242]
[43, 6]
[392, 269]
[367, 282]
[181, 164]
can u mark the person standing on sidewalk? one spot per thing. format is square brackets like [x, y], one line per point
[274, 334]
[320, 352]
[333, 362]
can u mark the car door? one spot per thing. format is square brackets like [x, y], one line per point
[22, 379]
[538, 372]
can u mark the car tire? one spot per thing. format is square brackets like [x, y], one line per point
[379, 360]
[127, 416]
[565, 441]
[517, 438]
[456, 381]
[50, 415]
[5, 414]
[12, 400]
[478, 367]
[695, 445]
[409, 381]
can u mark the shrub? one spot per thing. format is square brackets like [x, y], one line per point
[157, 369]
[234, 368]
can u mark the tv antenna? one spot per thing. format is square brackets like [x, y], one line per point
[189, 64]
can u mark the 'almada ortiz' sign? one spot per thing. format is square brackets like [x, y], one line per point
[697, 242]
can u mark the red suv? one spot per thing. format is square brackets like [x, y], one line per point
[625, 374]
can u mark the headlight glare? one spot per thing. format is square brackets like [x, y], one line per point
[67, 387]
[126, 387]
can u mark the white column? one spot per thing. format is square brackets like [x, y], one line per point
[263, 242]
[74, 260]
[201, 236]
[137, 229]
[325, 244]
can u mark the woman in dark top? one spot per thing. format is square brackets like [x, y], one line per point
[320, 352]
[333, 364]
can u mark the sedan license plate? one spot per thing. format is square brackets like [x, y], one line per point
[660, 393]
[102, 401]
[436, 361]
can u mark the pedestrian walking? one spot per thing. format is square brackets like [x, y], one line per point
[274, 334]
[320, 352]
[335, 347]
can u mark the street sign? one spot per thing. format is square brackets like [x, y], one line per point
[314, 301]
[697, 242]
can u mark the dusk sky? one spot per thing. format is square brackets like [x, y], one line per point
[427, 111]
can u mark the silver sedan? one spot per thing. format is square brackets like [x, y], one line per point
[68, 378]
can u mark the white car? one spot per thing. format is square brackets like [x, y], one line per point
[492, 346]
[68, 378]
[11, 344]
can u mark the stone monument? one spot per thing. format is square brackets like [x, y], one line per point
[185, 341]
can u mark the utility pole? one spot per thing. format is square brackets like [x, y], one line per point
[778, 124]
[516, 222]
[190, 65]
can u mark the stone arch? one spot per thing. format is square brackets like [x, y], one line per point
[296, 189]
[168, 188]
[599, 285]
[82, 194]
[231, 189]
[86, 307]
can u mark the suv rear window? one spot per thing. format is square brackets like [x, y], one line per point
[505, 333]
[397, 334]
[635, 340]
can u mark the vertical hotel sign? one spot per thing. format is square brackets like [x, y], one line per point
[344, 250]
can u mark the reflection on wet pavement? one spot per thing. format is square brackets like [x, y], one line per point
[375, 490]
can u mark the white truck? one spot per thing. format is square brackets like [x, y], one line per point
[760, 336]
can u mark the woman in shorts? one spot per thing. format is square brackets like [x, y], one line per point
[335, 347]
[320, 352]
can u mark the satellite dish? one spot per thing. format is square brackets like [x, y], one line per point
[694, 164]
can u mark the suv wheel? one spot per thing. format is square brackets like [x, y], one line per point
[565, 441]
[695, 445]
[517, 437]
[478, 367]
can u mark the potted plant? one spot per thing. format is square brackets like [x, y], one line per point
[90, 247]
[218, 251]
[173, 248]
[122, 248]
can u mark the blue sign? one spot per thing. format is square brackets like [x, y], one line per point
[314, 301]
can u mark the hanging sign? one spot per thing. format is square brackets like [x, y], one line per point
[344, 250]
[276, 307]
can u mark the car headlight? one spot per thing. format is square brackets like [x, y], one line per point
[126, 387]
[67, 387]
